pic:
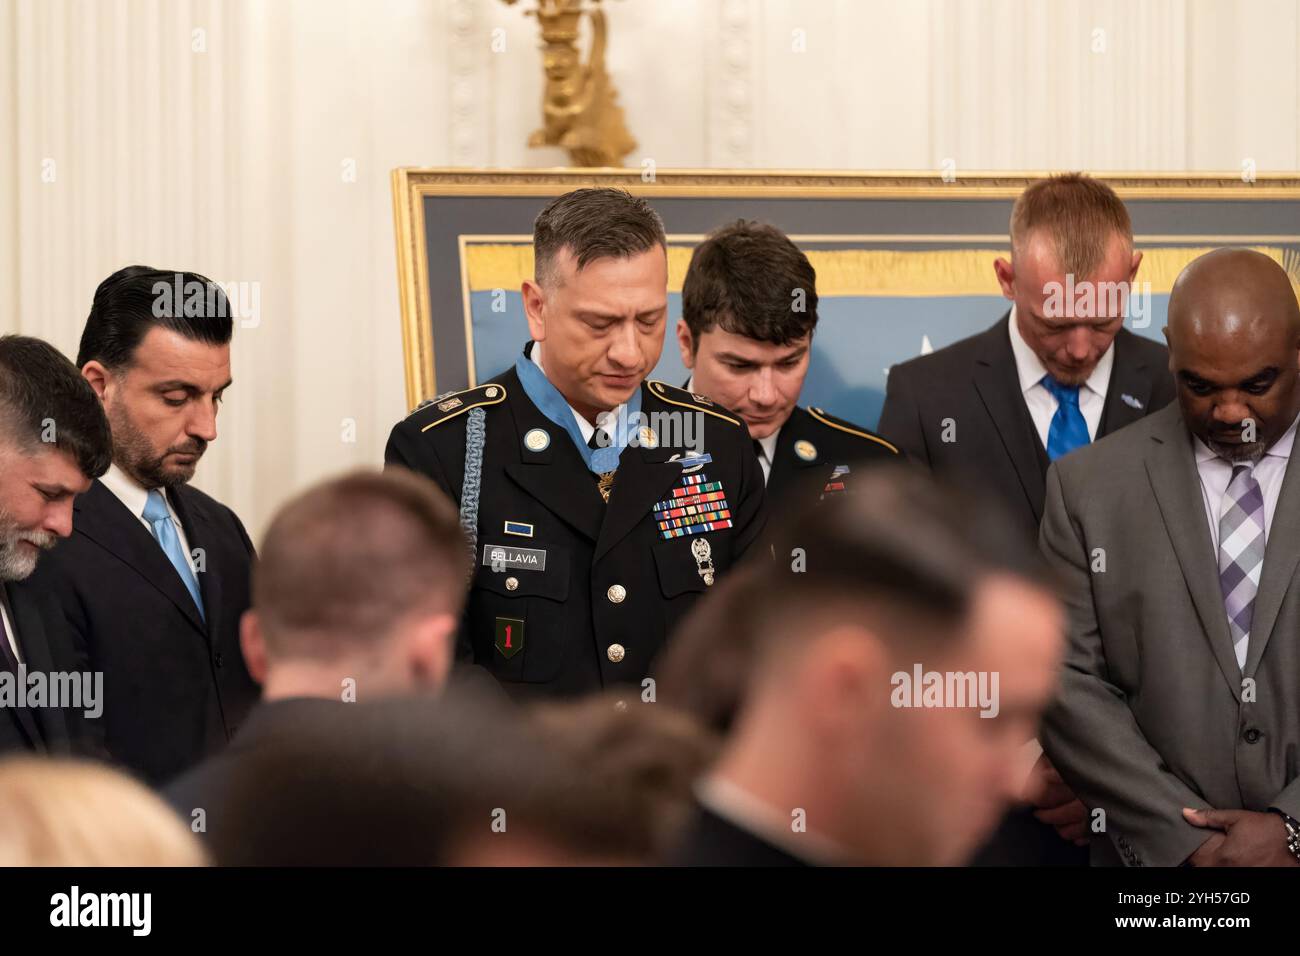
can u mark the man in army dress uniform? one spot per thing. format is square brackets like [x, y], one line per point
[749, 309]
[600, 505]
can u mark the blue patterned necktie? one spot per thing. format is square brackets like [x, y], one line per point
[1068, 430]
[164, 530]
[1241, 554]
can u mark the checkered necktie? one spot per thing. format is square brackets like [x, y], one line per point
[1241, 554]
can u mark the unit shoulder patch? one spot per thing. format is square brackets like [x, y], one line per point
[445, 407]
[830, 421]
[679, 396]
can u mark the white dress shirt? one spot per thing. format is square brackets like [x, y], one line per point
[766, 446]
[134, 495]
[585, 427]
[1216, 472]
[1042, 404]
[10, 632]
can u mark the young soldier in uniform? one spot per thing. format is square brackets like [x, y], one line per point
[601, 505]
[749, 308]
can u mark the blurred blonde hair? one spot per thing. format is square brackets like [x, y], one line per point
[57, 812]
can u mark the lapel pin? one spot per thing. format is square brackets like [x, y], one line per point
[805, 449]
[1130, 401]
[647, 438]
[536, 439]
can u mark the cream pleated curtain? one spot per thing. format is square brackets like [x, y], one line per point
[251, 140]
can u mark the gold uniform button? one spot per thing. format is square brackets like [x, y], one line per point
[512, 584]
[615, 652]
[490, 391]
[616, 594]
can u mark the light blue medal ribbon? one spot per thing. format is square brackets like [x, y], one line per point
[551, 403]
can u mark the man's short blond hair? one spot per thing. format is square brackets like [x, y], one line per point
[1078, 214]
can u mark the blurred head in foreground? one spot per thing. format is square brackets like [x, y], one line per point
[648, 753]
[901, 654]
[71, 813]
[357, 590]
[462, 780]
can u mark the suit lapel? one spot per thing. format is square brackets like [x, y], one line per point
[1128, 395]
[102, 518]
[556, 475]
[29, 634]
[1281, 554]
[998, 385]
[645, 476]
[1176, 487]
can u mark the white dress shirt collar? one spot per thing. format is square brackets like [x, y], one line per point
[134, 496]
[128, 491]
[1031, 369]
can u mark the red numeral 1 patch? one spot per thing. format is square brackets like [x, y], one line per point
[509, 636]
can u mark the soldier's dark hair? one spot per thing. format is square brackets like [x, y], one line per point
[596, 223]
[344, 561]
[749, 279]
[44, 398]
[133, 300]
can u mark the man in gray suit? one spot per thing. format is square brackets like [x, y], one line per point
[1178, 720]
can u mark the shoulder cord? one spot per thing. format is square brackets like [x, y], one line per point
[475, 436]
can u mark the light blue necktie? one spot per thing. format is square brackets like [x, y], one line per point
[1068, 430]
[164, 530]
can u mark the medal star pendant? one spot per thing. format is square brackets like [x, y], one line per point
[606, 484]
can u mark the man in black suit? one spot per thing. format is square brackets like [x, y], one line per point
[602, 505]
[840, 751]
[54, 440]
[156, 574]
[749, 310]
[1056, 372]
[356, 596]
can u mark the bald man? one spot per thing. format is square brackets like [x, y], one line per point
[1178, 719]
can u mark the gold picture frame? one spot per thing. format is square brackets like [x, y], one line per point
[413, 186]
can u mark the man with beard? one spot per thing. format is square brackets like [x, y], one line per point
[1178, 719]
[53, 442]
[155, 577]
